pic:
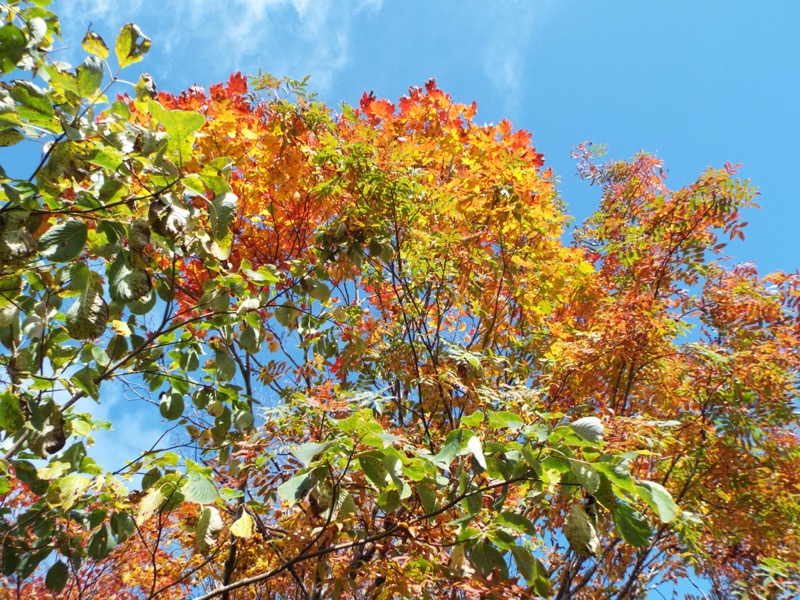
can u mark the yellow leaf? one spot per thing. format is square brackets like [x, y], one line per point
[121, 327]
[243, 526]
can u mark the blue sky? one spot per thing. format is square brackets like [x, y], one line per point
[696, 83]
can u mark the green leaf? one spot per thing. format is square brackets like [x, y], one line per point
[505, 420]
[9, 137]
[427, 496]
[37, 29]
[86, 318]
[90, 76]
[94, 44]
[11, 559]
[243, 419]
[171, 405]
[64, 242]
[85, 380]
[589, 428]
[486, 558]
[12, 47]
[532, 570]
[659, 500]
[248, 339]
[221, 212]
[374, 468]
[286, 315]
[449, 450]
[632, 526]
[295, 488]
[71, 488]
[101, 543]
[585, 475]
[618, 475]
[107, 157]
[11, 417]
[200, 489]
[318, 290]
[224, 364]
[57, 577]
[473, 420]
[123, 526]
[131, 45]
[179, 125]
[34, 105]
[516, 522]
[308, 451]
[126, 283]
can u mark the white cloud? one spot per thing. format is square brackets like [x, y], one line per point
[282, 37]
[511, 25]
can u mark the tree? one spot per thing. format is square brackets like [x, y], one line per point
[382, 372]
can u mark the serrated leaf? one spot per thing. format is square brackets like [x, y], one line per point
[243, 526]
[126, 283]
[149, 505]
[101, 543]
[57, 577]
[306, 453]
[171, 405]
[94, 44]
[517, 522]
[345, 505]
[64, 242]
[221, 213]
[473, 420]
[11, 417]
[586, 475]
[131, 45]
[532, 570]
[90, 75]
[618, 475]
[12, 47]
[9, 137]
[86, 318]
[659, 499]
[504, 419]
[225, 365]
[123, 526]
[589, 428]
[33, 104]
[486, 558]
[374, 468]
[71, 488]
[580, 533]
[243, 419]
[180, 126]
[632, 526]
[200, 489]
[295, 488]
[318, 290]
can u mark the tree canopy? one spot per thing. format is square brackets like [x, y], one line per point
[382, 367]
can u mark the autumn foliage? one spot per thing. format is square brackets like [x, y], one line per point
[384, 369]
